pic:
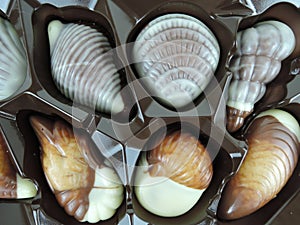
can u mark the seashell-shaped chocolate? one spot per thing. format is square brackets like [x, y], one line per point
[273, 150]
[87, 194]
[83, 67]
[13, 65]
[171, 178]
[256, 62]
[12, 185]
[177, 56]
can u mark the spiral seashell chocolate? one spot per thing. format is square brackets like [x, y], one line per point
[179, 166]
[13, 64]
[257, 61]
[177, 56]
[273, 151]
[87, 194]
[12, 185]
[83, 67]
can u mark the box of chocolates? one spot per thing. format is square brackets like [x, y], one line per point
[149, 112]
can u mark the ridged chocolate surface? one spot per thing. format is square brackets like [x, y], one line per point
[272, 156]
[256, 62]
[183, 159]
[83, 67]
[13, 63]
[178, 55]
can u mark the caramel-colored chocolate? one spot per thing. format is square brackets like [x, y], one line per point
[183, 159]
[8, 179]
[270, 161]
[65, 168]
[81, 190]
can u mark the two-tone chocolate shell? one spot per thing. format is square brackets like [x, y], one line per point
[83, 66]
[256, 62]
[176, 55]
[12, 185]
[13, 64]
[273, 149]
[89, 194]
[171, 178]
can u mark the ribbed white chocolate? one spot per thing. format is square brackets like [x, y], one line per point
[83, 67]
[178, 55]
[13, 65]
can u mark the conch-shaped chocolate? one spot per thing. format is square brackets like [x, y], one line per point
[176, 55]
[86, 193]
[12, 185]
[13, 64]
[83, 67]
[256, 62]
[171, 178]
[273, 150]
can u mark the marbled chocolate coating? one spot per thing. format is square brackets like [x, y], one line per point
[273, 150]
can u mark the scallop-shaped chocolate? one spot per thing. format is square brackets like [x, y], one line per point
[177, 56]
[13, 65]
[83, 67]
[89, 193]
[171, 178]
[256, 62]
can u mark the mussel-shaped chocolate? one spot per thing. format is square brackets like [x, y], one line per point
[177, 56]
[12, 185]
[273, 150]
[256, 62]
[86, 193]
[171, 178]
[83, 66]
[13, 64]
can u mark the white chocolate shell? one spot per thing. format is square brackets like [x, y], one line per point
[257, 61]
[13, 65]
[171, 178]
[87, 194]
[83, 67]
[177, 55]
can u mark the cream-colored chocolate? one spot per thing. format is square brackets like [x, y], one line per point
[176, 55]
[13, 63]
[171, 178]
[12, 185]
[81, 190]
[273, 149]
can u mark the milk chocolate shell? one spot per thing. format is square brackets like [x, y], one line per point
[273, 139]
[83, 67]
[12, 185]
[256, 62]
[177, 55]
[87, 194]
[13, 65]
[171, 178]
